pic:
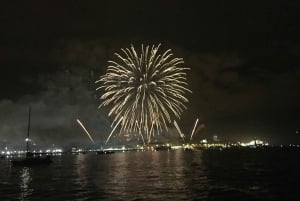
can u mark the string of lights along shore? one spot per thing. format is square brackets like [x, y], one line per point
[145, 91]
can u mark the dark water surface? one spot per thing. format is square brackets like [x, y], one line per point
[163, 175]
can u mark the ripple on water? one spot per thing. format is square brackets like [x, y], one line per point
[163, 175]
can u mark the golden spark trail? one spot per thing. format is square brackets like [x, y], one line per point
[85, 130]
[113, 130]
[140, 132]
[178, 129]
[194, 129]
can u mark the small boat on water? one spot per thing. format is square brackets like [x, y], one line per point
[161, 148]
[30, 158]
[188, 149]
[105, 152]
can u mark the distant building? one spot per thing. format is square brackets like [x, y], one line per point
[216, 139]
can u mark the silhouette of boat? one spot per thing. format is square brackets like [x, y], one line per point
[105, 152]
[188, 149]
[161, 148]
[30, 158]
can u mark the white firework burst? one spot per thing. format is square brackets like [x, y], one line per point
[145, 92]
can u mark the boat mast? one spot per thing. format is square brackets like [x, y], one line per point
[27, 139]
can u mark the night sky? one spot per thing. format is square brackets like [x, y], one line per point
[243, 55]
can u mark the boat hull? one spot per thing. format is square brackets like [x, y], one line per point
[32, 161]
[105, 152]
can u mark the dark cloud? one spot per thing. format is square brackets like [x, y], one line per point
[236, 104]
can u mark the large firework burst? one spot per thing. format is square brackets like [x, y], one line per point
[145, 92]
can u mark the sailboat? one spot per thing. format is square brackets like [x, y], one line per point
[30, 158]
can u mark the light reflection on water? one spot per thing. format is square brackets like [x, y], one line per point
[25, 189]
[81, 170]
[119, 176]
[149, 175]
[162, 175]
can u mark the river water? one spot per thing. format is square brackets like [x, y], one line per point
[268, 174]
